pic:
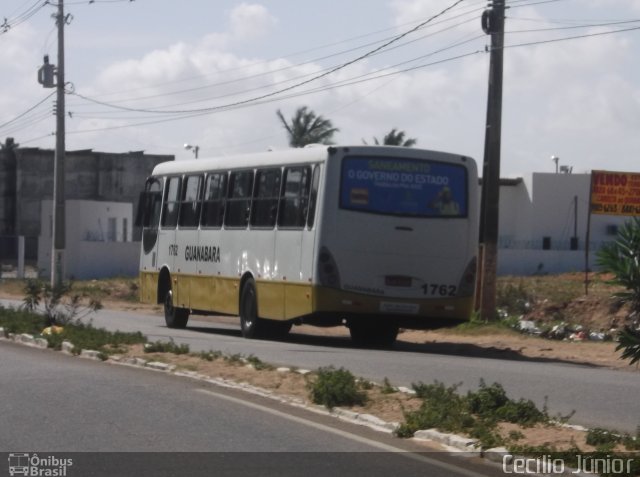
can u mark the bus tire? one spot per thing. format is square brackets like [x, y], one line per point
[250, 323]
[174, 317]
[372, 334]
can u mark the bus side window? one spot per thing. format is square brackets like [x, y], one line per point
[295, 196]
[313, 197]
[150, 204]
[190, 201]
[171, 202]
[265, 200]
[239, 199]
[214, 200]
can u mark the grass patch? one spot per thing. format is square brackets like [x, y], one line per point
[207, 355]
[166, 347]
[85, 336]
[20, 321]
[336, 387]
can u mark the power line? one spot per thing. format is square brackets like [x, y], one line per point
[576, 37]
[351, 82]
[288, 88]
[359, 77]
[289, 80]
[181, 116]
[8, 24]
[472, 10]
[28, 110]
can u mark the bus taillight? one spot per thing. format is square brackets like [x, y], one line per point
[327, 269]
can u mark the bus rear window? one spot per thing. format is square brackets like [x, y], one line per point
[404, 187]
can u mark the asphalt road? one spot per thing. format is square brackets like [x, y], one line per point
[116, 420]
[599, 397]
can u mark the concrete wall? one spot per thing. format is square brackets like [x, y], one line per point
[89, 176]
[93, 248]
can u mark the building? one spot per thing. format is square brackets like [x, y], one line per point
[93, 178]
[26, 180]
[98, 239]
[543, 225]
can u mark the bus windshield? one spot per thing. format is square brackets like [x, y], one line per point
[404, 187]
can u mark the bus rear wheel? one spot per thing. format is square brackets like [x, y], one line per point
[374, 334]
[174, 317]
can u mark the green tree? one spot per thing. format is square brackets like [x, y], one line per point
[622, 258]
[306, 127]
[395, 138]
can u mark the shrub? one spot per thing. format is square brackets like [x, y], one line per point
[258, 364]
[476, 413]
[61, 305]
[622, 258]
[441, 408]
[491, 402]
[336, 387]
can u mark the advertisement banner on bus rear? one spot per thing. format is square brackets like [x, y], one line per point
[404, 187]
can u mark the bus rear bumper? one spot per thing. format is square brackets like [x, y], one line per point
[409, 313]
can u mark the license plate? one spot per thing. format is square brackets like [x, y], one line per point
[397, 281]
[401, 308]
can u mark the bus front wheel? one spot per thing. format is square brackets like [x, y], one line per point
[374, 334]
[173, 316]
[250, 323]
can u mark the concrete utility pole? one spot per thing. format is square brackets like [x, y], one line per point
[58, 233]
[492, 24]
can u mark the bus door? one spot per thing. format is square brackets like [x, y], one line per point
[188, 254]
[168, 247]
[264, 212]
[294, 242]
[149, 209]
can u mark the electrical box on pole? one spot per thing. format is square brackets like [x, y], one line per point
[46, 74]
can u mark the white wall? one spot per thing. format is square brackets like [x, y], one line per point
[93, 248]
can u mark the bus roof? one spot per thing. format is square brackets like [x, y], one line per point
[269, 158]
[309, 154]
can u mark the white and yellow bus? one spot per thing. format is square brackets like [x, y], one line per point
[374, 238]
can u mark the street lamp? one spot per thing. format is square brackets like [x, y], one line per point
[195, 149]
[555, 159]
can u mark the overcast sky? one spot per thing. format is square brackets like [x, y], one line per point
[153, 75]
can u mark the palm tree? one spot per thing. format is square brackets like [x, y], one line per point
[307, 128]
[395, 138]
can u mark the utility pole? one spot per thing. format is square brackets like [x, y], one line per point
[58, 233]
[492, 24]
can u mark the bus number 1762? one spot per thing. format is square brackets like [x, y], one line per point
[434, 289]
